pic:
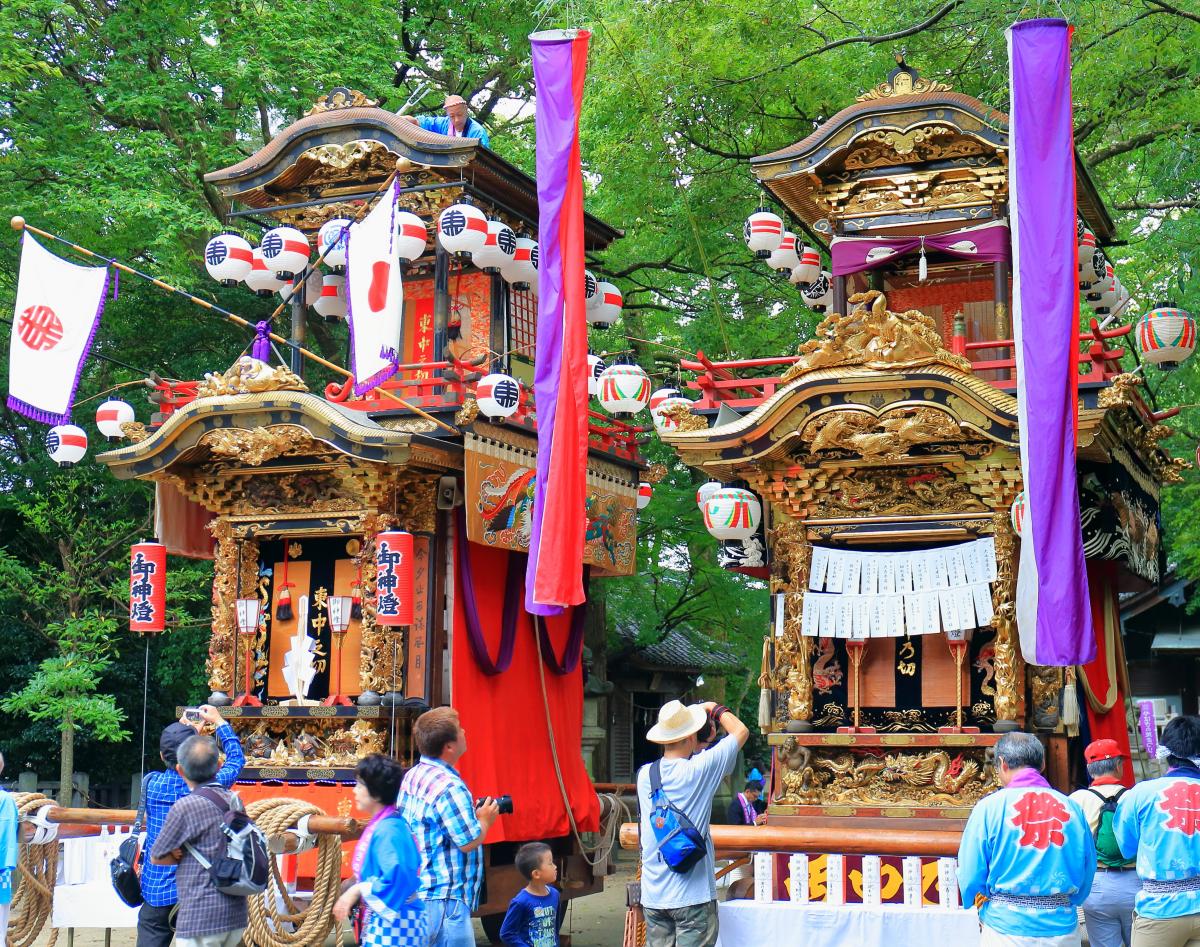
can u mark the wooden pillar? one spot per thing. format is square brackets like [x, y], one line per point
[498, 335]
[1008, 677]
[839, 294]
[441, 301]
[1002, 324]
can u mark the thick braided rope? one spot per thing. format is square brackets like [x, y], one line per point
[275, 919]
[38, 865]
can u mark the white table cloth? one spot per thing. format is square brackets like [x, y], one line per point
[783, 924]
[85, 896]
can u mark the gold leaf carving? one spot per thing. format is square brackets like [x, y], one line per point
[257, 445]
[340, 98]
[248, 375]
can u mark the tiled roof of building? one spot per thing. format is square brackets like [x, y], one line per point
[678, 651]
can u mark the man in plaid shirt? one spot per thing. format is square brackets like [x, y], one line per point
[448, 828]
[163, 790]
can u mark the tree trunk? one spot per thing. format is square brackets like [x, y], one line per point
[66, 772]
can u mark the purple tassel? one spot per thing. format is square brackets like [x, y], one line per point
[261, 349]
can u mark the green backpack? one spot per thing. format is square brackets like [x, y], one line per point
[1108, 852]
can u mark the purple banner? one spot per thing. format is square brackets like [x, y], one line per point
[987, 243]
[1054, 617]
[1147, 727]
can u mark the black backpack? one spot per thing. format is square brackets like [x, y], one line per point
[1108, 853]
[245, 867]
[123, 868]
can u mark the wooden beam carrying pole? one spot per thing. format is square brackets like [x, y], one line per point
[822, 840]
[84, 822]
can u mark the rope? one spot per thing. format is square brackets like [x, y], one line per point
[38, 867]
[275, 919]
[617, 805]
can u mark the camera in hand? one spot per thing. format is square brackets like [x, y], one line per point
[193, 715]
[504, 802]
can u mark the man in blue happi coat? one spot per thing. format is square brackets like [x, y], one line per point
[1158, 821]
[456, 123]
[1027, 855]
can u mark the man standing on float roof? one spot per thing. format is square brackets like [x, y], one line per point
[455, 123]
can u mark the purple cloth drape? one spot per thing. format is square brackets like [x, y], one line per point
[1054, 616]
[574, 649]
[985, 242]
[513, 586]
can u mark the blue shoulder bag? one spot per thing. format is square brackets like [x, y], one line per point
[680, 844]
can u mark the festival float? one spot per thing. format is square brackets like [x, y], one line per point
[879, 467]
[369, 539]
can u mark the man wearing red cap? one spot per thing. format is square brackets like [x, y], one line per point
[456, 123]
[1108, 911]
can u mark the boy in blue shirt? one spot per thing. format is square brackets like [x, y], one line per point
[532, 918]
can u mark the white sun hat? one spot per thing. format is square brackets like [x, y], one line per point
[677, 721]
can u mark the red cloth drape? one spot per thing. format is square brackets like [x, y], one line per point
[508, 744]
[1103, 681]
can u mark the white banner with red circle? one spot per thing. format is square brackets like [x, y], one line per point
[56, 316]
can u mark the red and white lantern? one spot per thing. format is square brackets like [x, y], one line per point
[285, 250]
[784, 258]
[645, 492]
[1165, 336]
[624, 389]
[809, 268]
[763, 232]
[660, 395]
[227, 258]
[818, 295]
[608, 310]
[412, 237]
[394, 578]
[111, 415]
[732, 513]
[1016, 513]
[331, 304]
[462, 229]
[147, 588]
[498, 395]
[66, 444]
[591, 290]
[261, 280]
[498, 248]
[663, 421]
[522, 272]
[332, 240]
[595, 367]
[705, 491]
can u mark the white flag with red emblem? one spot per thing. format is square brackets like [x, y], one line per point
[58, 310]
[374, 295]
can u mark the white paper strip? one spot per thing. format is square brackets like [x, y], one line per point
[780, 614]
[948, 609]
[904, 576]
[887, 575]
[912, 613]
[921, 572]
[764, 876]
[810, 615]
[930, 606]
[896, 626]
[965, 604]
[940, 568]
[816, 568]
[835, 572]
[947, 882]
[845, 619]
[984, 612]
[870, 574]
[862, 618]
[970, 554]
[870, 879]
[835, 880]
[829, 616]
[910, 868]
[851, 584]
[987, 548]
[958, 566]
[881, 616]
[798, 877]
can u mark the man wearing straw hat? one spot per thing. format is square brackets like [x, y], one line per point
[680, 907]
[456, 123]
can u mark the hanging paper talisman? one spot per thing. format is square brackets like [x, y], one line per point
[394, 578]
[147, 588]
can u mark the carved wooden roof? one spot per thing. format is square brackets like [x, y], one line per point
[900, 136]
[345, 148]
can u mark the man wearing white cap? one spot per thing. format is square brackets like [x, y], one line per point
[679, 900]
[455, 123]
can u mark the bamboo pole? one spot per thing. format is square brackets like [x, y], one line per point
[19, 223]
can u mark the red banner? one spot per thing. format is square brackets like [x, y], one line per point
[394, 578]
[148, 588]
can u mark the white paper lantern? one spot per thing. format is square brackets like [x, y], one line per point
[595, 367]
[412, 237]
[499, 395]
[498, 248]
[809, 268]
[261, 280]
[732, 513]
[1094, 270]
[1101, 286]
[522, 272]
[1016, 514]
[1085, 249]
[763, 232]
[228, 257]
[111, 415]
[645, 492]
[706, 490]
[659, 395]
[818, 295]
[332, 239]
[664, 422]
[591, 290]
[312, 288]
[784, 258]
[331, 304]
[66, 444]
[462, 228]
[624, 389]
[285, 250]
[608, 310]
[1165, 336]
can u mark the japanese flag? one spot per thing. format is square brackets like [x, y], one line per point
[58, 309]
[374, 295]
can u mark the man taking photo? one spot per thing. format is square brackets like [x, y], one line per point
[680, 907]
[449, 829]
